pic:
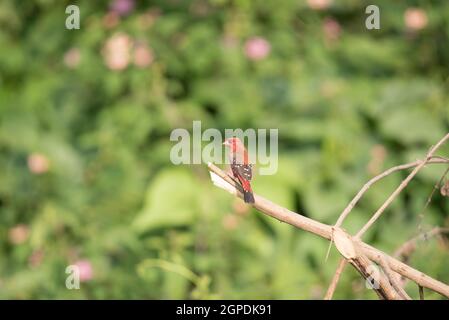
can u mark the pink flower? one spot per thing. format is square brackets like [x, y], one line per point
[415, 19]
[85, 270]
[257, 48]
[72, 58]
[319, 4]
[122, 7]
[116, 51]
[38, 163]
[143, 56]
[18, 234]
[331, 29]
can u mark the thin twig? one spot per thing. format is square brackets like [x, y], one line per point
[380, 282]
[429, 199]
[393, 279]
[401, 187]
[375, 179]
[421, 292]
[334, 282]
[405, 250]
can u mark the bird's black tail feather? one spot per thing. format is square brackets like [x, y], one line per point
[248, 197]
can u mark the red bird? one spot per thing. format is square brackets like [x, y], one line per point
[240, 166]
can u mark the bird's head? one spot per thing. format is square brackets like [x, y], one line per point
[234, 144]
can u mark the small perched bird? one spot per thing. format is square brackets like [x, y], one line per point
[240, 166]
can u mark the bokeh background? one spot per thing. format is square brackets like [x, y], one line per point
[85, 119]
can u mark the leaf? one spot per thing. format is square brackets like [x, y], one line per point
[170, 201]
[325, 204]
[344, 243]
[411, 126]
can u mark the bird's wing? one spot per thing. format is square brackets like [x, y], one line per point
[244, 170]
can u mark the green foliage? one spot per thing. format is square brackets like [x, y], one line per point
[84, 143]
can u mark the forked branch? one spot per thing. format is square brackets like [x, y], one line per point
[418, 165]
[361, 254]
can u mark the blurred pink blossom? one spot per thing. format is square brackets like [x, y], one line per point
[331, 29]
[147, 19]
[111, 19]
[200, 8]
[143, 55]
[122, 7]
[240, 207]
[117, 50]
[329, 88]
[230, 222]
[378, 154]
[319, 4]
[257, 48]
[18, 234]
[72, 58]
[36, 258]
[229, 41]
[85, 269]
[38, 163]
[415, 19]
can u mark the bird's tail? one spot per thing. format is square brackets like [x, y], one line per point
[248, 197]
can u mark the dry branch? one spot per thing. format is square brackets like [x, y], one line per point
[358, 196]
[379, 282]
[365, 251]
[418, 165]
[401, 187]
[352, 252]
[392, 277]
[330, 291]
[384, 174]
[404, 251]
